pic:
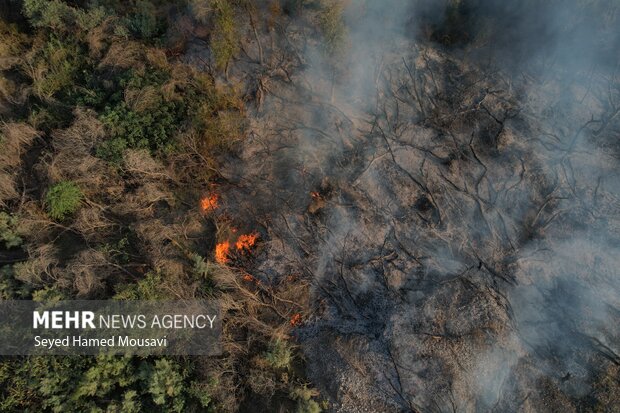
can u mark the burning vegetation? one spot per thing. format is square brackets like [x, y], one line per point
[246, 242]
[243, 244]
[222, 252]
[210, 203]
[404, 160]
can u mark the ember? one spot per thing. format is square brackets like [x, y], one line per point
[209, 203]
[221, 252]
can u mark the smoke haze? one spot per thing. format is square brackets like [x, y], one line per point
[462, 240]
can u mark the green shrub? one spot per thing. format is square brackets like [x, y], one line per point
[144, 22]
[12, 41]
[225, 40]
[164, 382]
[55, 68]
[63, 199]
[279, 355]
[10, 287]
[58, 15]
[112, 150]
[144, 114]
[148, 288]
[8, 230]
[98, 384]
[308, 406]
[200, 391]
[201, 268]
[118, 250]
[49, 117]
[152, 125]
[103, 377]
[149, 129]
[202, 275]
[54, 14]
[332, 26]
[49, 294]
[305, 403]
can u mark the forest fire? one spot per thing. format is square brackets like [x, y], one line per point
[389, 206]
[246, 241]
[222, 251]
[209, 203]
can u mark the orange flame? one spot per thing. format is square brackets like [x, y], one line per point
[209, 203]
[296, 320]
[246, 241]
[250, 278]
[221, 252]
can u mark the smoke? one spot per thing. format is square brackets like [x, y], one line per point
[464, 245]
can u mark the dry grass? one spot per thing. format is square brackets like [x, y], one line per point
[139, 162]
[91, 222]
[14, 140]
[124, 55]
[141, 100]
[201, 10]
[8, 187]
[156, 236]
[157, 58]
[15, 137]
[99, 37]
[73, 159]
[39, 269]
[87, 272]
[34, 223]
[8, 90]
[12, 45]
[81, 137]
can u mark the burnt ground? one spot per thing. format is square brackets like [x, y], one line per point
[458, 224]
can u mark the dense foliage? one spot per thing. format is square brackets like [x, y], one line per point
[63, 199]
[101, 384]
[109, 135]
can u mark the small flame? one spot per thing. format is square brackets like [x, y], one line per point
[296, 320]
[246, 241]
[315, 195]
[250, 278]
[209, 203]
[221, 252]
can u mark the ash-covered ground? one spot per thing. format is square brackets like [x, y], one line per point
[448, 186]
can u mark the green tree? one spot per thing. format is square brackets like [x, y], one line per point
[144, 22]
[332, 26]
[279, 355]
[54, 14]
[60, 16]
[63, 199]
[8, 230]
[225, 40]
[165, 383]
